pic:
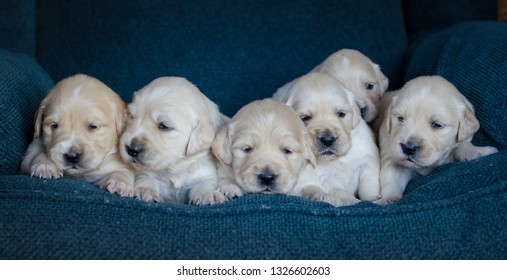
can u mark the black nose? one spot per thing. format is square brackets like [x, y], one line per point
[266, 179]
[133, 150]
[409, 148]
[363, 112]
[72, 158]
[327, 140]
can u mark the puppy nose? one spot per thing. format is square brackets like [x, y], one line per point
[363, 112]
[266, 179]
[409, 148]
[133, 150]
[327, 140]
[72, 157]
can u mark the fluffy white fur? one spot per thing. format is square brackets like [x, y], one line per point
[347, 165]
[264, 148]
[424, 125]
[358, 74]
[167, 139]
[77, 128]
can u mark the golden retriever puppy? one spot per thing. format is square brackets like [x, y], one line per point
[263, 148]
[77, 128]
[344, 145]
[423, 124]
[167, 139]
[358, 74]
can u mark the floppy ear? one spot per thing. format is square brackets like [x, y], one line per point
[468, 123]
[382, 79]
[308, 149]
[221, 145]
[387, 118]
[201, 137]
[356, 116]
[39, 115]
[119, 118]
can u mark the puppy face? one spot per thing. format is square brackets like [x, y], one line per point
[426, 120]
[266, 145]
[168, 121]
[361, 76]
[328, 111]
[80, 122]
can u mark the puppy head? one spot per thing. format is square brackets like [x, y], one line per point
[169, 120]
[328, 111]
[80, 122]
[266, 144]
[426, 120]
[361, 76]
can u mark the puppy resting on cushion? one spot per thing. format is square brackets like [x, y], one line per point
[264, 148]
[347, 156]
[77, 128]
[358, 74]
[167, 139]
[423, 124]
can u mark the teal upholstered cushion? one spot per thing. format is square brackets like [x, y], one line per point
[457, 212]
[234, 51]
[23, 84]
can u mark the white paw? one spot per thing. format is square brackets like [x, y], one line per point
[385, 200]
[208, 198]
[148, 194]
[120, 188]
[46, 170]
[314, 193]
[231, 190]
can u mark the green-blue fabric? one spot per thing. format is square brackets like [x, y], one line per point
[23, 84]
[17, 25]
[457, 212]
[234, 51]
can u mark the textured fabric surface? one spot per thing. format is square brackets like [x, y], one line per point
[432, 15]
[447, 215]
[472, 56]
[23, 84]
[17, 25]
[234, 51]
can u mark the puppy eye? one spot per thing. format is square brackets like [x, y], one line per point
[305, 118]
[53, 126]
[164, 127]
[369, 86]
[92, 127]
[437, 125]
[287, 151]
[247, 149]
[401, 119]
[341, 114]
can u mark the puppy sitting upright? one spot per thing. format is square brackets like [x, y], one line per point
[77, 128]
[264, 148]
[423, 124]
[167, 139]
[347, 156]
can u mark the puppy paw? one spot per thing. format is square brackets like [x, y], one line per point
[385, 200]
[208, 198]
[45, 170]
[467, 152]
[314, 193]
[120, 188]
[148, 194]
[231, 190]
